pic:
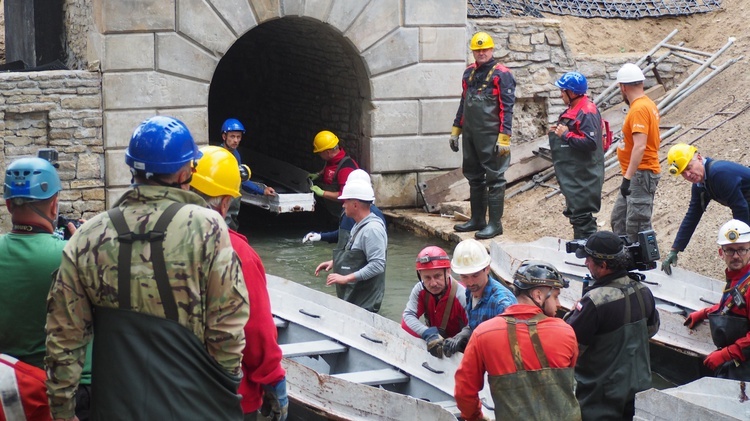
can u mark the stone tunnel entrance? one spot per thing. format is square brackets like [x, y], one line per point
[286, 80]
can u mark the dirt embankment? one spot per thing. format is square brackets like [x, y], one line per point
[530, 215]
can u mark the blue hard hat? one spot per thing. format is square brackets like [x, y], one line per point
[161, 145]
[574, 82]
[31, 178]
[232, 125]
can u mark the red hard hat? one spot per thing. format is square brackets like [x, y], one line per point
[433, 257]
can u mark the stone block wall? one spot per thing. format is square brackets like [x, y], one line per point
[61, 110]
[78, 23]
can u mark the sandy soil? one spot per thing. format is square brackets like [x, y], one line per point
[531, 215]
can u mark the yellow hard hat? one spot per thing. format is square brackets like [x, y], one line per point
[217, 173]
[679, 156]
[324, 141]
[481, 41]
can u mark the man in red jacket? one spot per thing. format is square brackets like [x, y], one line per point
[730, 318]
[528, 354]
[263, 384]
[439, 298]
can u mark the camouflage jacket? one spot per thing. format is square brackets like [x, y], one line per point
[204, 272]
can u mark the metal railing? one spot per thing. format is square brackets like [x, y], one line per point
[616, 9]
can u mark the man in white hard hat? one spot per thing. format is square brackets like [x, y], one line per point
[485, 296]
[638, 155]
[359, 267]
[730, 318]
[725, 182]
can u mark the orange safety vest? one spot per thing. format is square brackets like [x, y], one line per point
[23, 394]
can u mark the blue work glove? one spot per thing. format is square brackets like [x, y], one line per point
[313, 176]
[317, 190]
[457, 343]
[275, 401]
[671, 260]
[434, 341]
[625, 187]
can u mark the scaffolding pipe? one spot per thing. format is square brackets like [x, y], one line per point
[698, 84]
[695, 74]
[645, 70]
[692, 59]
[687, 50]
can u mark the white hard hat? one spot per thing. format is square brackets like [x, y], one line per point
[630, 73]
[358, 189]
[360, 175]
[470, 256]
[734, 232]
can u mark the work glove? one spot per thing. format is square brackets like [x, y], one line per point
[244, 172]
[311, 237]
[455, 132]
[696, 317]
[275, 401]
[671, 259]
[625, 187]
[434, 341]
[502, 147]
[313, 176]
[457, 343]
[721, 356]
[317, 190]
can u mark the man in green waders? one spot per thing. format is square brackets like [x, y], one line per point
[485, 117]
[156, 280]
[359, 267]
[613, 322]
[527, 353]
[577, 154]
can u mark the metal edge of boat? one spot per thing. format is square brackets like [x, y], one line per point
[676, 295]
[379, 346]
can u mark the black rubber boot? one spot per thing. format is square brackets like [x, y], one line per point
[496, 202]
[478, 201]
[583, 226]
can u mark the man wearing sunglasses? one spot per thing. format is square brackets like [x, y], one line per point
[439, 298]
[727, 183]
[730, 318]
[613, 322]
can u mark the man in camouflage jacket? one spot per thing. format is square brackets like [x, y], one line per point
[141, 373]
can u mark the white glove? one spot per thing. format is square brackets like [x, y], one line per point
[311, 237]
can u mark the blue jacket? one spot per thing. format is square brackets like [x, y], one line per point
[347, 223]
[725, 182]
[495, 299]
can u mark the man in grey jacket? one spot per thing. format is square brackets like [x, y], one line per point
[359, 268]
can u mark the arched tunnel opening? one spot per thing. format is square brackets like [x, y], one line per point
[286, 80]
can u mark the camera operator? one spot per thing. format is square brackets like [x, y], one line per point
[29, 255]
[613, 322]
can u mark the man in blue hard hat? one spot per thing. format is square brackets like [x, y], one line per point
[231, 136]
[578, 156]
[155, 278]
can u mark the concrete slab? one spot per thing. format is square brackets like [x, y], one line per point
[238, 15]
[413, 153]
[119, 126]
[128, 52]
[178, 55]
[378, 19]
[441, 44]
[398, 49]
[395, 189]
[118, 173]
[395, 117]
[151, 90]
[419, 81]
[435, 12]
[199, 22]
[704, 399]
[196, 119]
[436, 116]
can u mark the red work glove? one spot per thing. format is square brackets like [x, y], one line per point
[720, 356]
[696, 317]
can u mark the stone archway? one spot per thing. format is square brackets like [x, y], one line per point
[161, 57]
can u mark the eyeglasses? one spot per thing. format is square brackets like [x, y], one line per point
[738, 252]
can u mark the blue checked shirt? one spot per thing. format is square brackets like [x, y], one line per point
[495, 299]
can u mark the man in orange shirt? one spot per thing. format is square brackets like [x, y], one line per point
[528, 354]
[638, 155]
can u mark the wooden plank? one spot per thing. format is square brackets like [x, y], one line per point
[321, 347]
[374, 377]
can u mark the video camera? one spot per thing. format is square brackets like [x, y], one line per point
[643, 253]
[49, 154]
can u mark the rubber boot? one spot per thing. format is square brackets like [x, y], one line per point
[496, 202]
[477, 199]
[583, 226]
